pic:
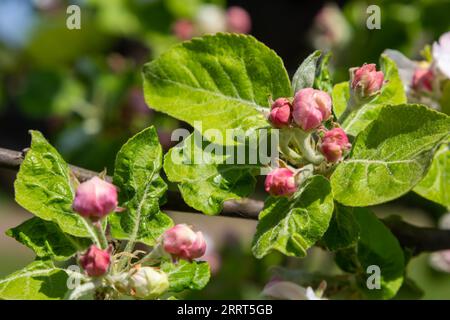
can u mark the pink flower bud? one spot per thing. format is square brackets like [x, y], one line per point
[182, 242]
[95, 198]
[183, 29]
[335, 144]
[238, 20]
[423, 79]
[311, 108]
[280, 182]
[366, 80]
[280, 115]
[95, 261]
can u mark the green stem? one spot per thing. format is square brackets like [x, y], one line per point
[352, 104]
[303, 141]
[83, 289]
[100, 234]
[291, 155]
[152, 256]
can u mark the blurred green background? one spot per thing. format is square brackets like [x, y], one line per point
[82, 89]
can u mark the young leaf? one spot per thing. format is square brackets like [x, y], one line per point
[291, 226]
[223, 80]
[40, 280]
[306, 72]
[343, 231]
[390, 156]
[322, 80]
[44, 187]
[436, 184]
[187, 275]
[141, 188]
[377, 246]
[392, 93]
[206, 184]
[47, 240]
[340, 96]
[445, 99]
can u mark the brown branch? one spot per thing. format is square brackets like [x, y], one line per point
[418, 239]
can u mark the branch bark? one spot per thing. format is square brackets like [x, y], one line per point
[418, 239]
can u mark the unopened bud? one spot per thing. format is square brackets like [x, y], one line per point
[280, 182]
[423, 79]
[280, 114]
[148, 283]
[182, 242]
[366, 81]
[310, 108]
[335, 144]
[95, 261]
[95, 198]
[238, 20]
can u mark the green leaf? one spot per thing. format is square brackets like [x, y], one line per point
[340, 96]
[40, 280]
[445, 99]
[322, 80]
[44, 186]
[306, 72]
[343, 231]
[141, 188]
[47, 240]
[436, 184]
[378, 246]
[205, 184]
[392, 93]
[390, 156]
[225, 81]
[291, 226]
[187, 275]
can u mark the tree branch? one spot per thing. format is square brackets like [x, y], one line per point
[418, 239]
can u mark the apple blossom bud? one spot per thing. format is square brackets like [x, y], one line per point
[310, 108]
[366, 80]
[182, 242]
[423, 79]
[238, 20]
[334, 144]
[183, 29]
[95, 261]
[280, 115]
[280, 182]
[148, 283]
[210, 19]
[95, 198]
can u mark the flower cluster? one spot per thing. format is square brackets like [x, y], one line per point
[425, 80]
[211, 19]
[301, 119]
[94, 200]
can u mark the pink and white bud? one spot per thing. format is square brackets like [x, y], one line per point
[95, 199]
[335, 144]
[182, 242]
[280, 114]
[183, 29]
[310, 108]
[95, 261]
[423, 79]
[238, 20]
[366, 80]
[280, 182]
[147, 283]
